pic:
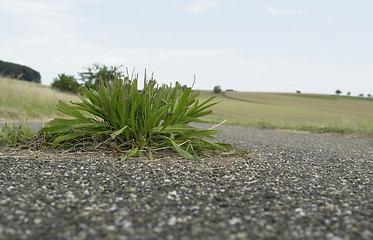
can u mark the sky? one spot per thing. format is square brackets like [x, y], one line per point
[314, 46]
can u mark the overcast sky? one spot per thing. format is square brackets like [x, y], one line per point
[315, 46]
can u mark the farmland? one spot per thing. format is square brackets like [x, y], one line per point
[21, 101]
[309, 112]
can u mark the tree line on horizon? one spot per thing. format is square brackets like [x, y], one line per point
[90, 78]
[18, 71]
[338, 92]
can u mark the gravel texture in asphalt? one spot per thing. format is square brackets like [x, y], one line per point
[293, 185]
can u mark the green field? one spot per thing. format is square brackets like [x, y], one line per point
[309, 112]
[23, 101]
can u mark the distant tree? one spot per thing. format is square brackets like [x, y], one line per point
[184, 86]
[361, 95]
[348, 94]
[217, 89]
[66, 83]
[98, 72]
[17, 71]
[229, 90]
[369, 96]
[338, 92]
[298, 91]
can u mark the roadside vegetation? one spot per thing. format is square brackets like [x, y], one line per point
[117, 115]
[16, 135]
[134, 121]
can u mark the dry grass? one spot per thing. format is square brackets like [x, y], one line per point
[293, 111]
[24, 101]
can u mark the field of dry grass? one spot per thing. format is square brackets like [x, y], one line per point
[311, 112]
[24, 101]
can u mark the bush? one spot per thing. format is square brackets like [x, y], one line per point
[66, 83]
[217, 89]
[131, 121]
[98, 73]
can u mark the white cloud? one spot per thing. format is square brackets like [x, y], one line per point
[41, 14]
[274, 11]
[42, 23]
[201, 6]
[33, 6]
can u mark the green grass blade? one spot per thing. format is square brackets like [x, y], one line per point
[66, 137]
[118, 132]
[182, 152]
[132, 153]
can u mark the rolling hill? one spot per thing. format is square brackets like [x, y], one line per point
[22, 101]
[310, 112]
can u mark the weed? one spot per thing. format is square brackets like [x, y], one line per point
[133, 121]
[15, 135]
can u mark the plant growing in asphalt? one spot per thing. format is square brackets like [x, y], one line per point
[133, 121]
[13, 135]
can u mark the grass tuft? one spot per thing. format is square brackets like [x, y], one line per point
[135, 122]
